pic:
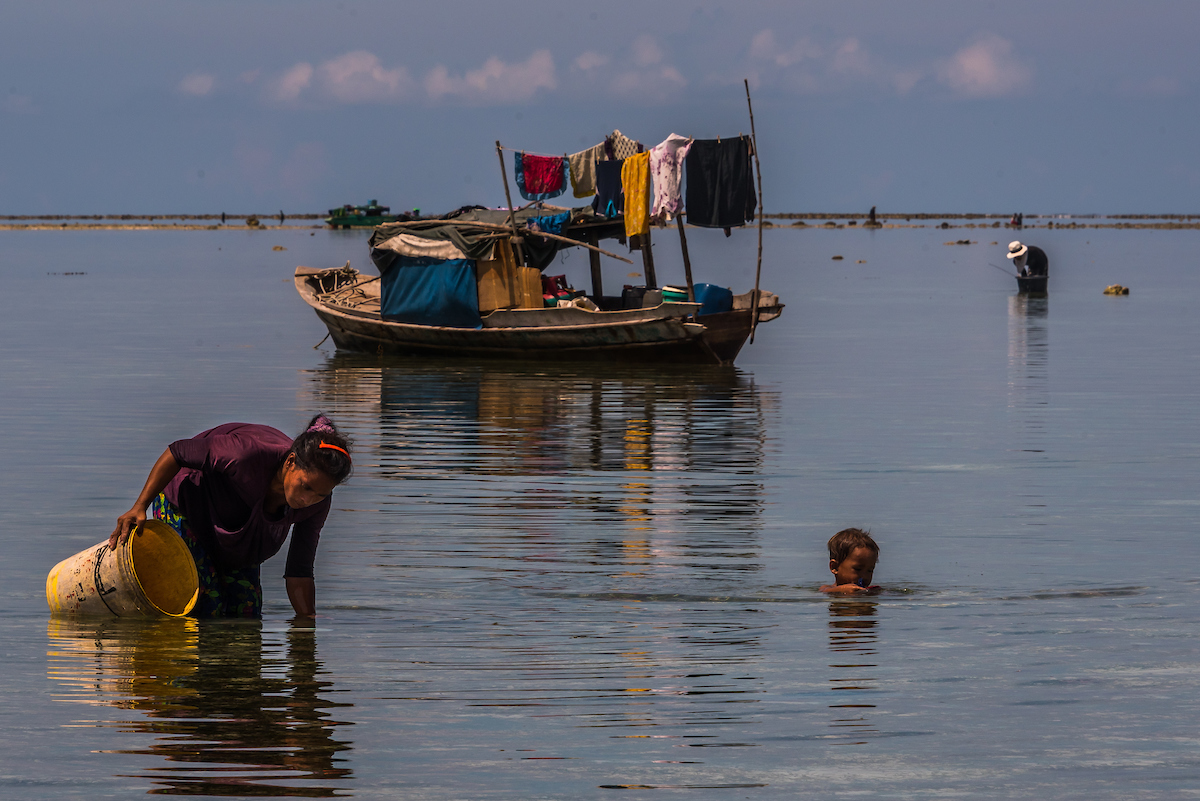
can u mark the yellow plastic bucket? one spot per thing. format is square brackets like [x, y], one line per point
[149, 575]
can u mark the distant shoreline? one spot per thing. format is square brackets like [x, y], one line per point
[792, 220]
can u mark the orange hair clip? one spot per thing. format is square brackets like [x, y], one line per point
[334, 448]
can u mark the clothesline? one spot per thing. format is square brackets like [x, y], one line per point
[531, 153]
[643, 185]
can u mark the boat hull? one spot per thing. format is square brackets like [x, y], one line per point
[642, 336]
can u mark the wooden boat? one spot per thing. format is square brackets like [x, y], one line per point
[349, 304]
[1032, 284]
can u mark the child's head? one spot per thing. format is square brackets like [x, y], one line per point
[852, 557]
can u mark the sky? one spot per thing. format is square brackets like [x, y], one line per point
[987, 107]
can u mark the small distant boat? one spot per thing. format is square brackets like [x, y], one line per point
[1032, 284]
[367, 216]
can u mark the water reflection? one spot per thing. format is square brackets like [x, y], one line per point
[586, 525]
[230, 712]
[852, 639]
[621, 465]
[1029, 388]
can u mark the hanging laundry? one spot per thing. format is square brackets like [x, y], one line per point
[610, 199]
[540, 177]
[550, 223]
[583, 170]
[666, 166]
[619, 146]
[635, 180]
[720, 183]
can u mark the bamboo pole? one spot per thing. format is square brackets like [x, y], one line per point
[512, 218]
[758, 171]
[510, 229]
[687, 262]
[648, 261]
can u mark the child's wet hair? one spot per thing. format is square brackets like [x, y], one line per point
[846, 541]
[333, 460]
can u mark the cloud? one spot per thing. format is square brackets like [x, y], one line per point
[495, 83]
[764, 47]
[590, 60]
[987, 68]
[359, 77]
[294, 81]
[852, 59]
[640, 75]
[198, 84]
[809, 67]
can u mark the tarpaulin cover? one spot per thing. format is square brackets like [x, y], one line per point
[713, 299]
[476, 242]
[424, 291]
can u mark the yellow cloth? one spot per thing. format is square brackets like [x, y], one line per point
[635, 180]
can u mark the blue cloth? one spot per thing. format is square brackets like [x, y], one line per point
[551, 223]
[520, 177]
[424, 291]
[713, 299]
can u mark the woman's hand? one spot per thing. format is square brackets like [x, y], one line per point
[126, 523]
[160, 476]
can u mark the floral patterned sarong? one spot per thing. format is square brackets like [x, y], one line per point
[224, 592]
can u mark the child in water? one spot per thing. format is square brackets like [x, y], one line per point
[852, 558]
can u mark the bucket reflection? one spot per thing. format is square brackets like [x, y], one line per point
[230, 711]
[852, 639]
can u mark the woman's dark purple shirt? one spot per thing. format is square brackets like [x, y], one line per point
[225, 476]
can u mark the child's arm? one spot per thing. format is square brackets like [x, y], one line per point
[848, 589]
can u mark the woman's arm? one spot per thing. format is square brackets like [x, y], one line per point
[302, 592]
[160, 476]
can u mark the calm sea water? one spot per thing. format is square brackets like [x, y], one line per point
[570, 581]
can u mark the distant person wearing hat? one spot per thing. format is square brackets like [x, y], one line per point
[1028, 259]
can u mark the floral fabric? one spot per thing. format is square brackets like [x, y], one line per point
[223, 592]
[666, 165]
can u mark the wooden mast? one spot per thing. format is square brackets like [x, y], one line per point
[758, 170]
[512, 219]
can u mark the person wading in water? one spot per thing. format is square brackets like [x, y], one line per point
[1028, 259]
[233, 493]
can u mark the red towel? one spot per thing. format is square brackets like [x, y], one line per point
[543, 174]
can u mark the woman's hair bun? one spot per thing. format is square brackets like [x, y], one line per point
[333, 461]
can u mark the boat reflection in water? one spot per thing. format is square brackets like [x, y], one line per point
[852, 639]
[613, 461]
[624, 504]
[230, 712]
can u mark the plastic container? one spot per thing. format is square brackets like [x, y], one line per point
[713, 299]
[631, 297]
[151, 574]
[652, 298]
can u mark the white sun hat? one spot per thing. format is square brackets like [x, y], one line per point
[1016, 250]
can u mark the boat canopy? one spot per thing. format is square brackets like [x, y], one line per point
[427, 267]
[426, 238]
